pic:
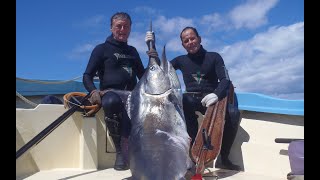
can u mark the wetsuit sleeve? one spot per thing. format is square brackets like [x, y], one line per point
[174, 63]
[91, 70]
[223, 77]
[140, 68]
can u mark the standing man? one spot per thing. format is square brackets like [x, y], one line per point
[118, 65]
[207, 81]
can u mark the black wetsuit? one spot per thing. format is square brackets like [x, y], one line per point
[204, 73]
[118, 66]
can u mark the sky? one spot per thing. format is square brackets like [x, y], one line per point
[260, 41]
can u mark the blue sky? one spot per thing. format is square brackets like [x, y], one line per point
[261, 41]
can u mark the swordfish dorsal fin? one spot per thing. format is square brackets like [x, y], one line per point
[168, 69]
[164, 62]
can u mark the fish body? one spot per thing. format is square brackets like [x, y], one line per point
[159, 143]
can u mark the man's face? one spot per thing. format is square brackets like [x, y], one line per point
[190, 41]
[121, 29]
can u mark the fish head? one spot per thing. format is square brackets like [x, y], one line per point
[158, 77]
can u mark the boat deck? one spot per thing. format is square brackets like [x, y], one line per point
[81, 149]
[77, 174]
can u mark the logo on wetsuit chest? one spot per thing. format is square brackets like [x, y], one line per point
[198, 77]
[122, 56]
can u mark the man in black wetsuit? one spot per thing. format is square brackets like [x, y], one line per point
[117, 65]
[207, 81]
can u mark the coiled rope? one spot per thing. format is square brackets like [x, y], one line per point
[89, 110]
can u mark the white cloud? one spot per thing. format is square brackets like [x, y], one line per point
[252, 14]
[214, 22]
[270, 63]
[136, 39]
[173, 25]
[174, 45]
[145, 10]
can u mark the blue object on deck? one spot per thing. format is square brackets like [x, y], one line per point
[50, 99]
[263, 103]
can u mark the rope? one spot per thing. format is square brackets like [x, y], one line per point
[48, 82]
[26, 100]
[41, 82]
[92, 108]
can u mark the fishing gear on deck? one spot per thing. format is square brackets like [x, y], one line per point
[44, 133]
[86, 107]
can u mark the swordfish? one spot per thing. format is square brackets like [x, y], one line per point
[158, 143]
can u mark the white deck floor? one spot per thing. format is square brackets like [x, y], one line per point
[76, 174]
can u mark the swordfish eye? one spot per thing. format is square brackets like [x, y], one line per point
[152, 68]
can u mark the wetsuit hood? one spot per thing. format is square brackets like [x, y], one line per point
[198, 56]
[112, 41]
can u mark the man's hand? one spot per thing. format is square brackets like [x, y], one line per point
[209, 99]
[152, 53]
[95, 97]
[150, 37]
